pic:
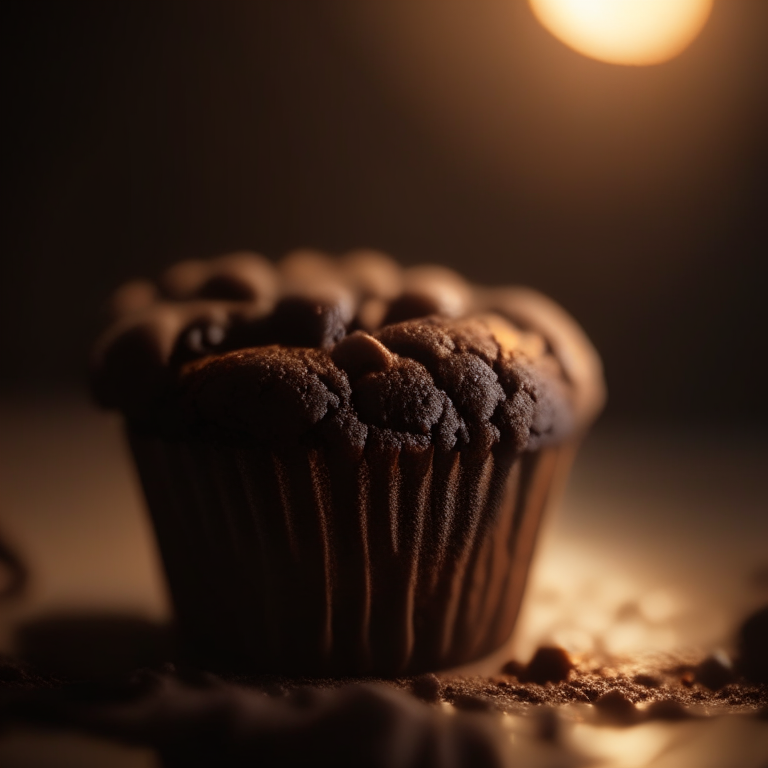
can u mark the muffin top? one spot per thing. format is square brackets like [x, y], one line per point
[322, 350]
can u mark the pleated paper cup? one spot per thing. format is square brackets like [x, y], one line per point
[304, 561]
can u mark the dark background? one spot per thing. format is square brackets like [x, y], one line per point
[141, 133]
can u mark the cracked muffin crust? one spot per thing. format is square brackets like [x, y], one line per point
[417, 352]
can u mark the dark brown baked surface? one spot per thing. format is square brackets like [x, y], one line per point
[318, 349]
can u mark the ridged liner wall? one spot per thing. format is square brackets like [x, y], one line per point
[304, 561]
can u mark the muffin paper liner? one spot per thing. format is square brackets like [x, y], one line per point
[304, 561]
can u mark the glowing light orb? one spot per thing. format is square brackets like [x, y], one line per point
[635, 32]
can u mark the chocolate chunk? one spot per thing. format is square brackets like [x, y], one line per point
[426, 687]
[239, 277]
[430, 290]
[307, 321]
[373, 274]
[359, 353]
[714, 672]
[234, 277]
[549, 664]
[412, 305]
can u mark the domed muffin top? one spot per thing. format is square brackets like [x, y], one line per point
[318, 349]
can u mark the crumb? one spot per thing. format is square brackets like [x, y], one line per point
[549, 664]
[714, 673]
[426, 687]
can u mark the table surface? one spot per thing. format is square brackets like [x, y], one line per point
[658, 544]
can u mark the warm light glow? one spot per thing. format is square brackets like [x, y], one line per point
[624, 31]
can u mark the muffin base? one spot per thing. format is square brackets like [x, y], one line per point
[304, 561]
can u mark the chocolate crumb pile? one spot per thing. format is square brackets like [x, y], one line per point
[194, 718]
[663, 687]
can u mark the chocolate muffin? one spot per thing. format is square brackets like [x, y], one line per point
[345, 461]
